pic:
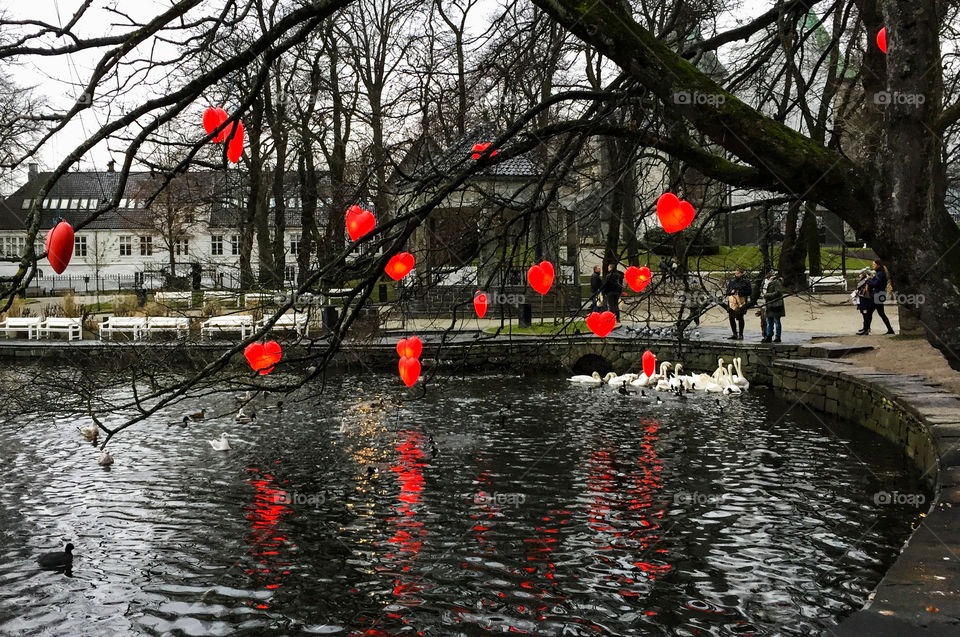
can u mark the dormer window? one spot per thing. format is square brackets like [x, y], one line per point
[26, 203]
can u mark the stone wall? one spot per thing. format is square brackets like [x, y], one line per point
[918, 595]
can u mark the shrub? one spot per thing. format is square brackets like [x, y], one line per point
[71, 308]
[124, 305]
[152, 308]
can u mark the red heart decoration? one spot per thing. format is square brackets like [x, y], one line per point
[211, 119]
[235, 148]
[637, 278]
[359, 222]
[263, 357]
[882, 39]
[540, 276]
[60, 246]
[409, 370]
[480, 304]
[222, 117]
[410, 347]
[674, 215]
[601, 324]
[479, 148]
[649, 363]
[399, 266]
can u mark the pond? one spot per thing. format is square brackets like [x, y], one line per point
[491, 505]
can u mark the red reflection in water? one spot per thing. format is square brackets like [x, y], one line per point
[266, 542]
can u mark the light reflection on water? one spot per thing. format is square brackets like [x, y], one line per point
[492, 505]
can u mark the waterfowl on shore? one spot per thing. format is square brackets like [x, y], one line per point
[57, 560]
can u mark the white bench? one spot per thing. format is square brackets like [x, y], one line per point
[257, 299]
[297, 322]
[174, 298]
[828, 282]
[221, 296]
[72, 327]
[179, 324]
[28, 324]
[133, 324]
[231, 323]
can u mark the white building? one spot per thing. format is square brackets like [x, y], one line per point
[131, 245]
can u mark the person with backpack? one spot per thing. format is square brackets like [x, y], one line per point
[738, 295]
[876, 290]
[774, 307]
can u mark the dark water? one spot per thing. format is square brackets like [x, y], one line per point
[546, 509]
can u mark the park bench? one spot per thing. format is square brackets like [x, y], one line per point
[257, 299]
[221, 296]
[133, 324]
[296, 322]
[174, 298]
[830, 282]
[72, 327]
[178, 324]
[28, 324]
[231, 323]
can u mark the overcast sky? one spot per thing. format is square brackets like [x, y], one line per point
[59, 78]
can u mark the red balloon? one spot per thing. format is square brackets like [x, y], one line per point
[359, 222]
[601, 324]
[479, 148]
[235, 148]
[222, 117]
[263, 357]
[410, 347]
[649, 363]
[399, 265]
[480, 304]
[882, 39]
[60, 246]
[540, 276]
[674, 215]
[637, 278]
[409, 370]
[211, 119]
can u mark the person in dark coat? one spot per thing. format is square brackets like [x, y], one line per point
[596, 282]
[738, 295]
[864, 301]
[612, 288]
[774, 307]
[877, 288]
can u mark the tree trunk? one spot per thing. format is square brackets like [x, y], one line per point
[810, 242]
[791, 254]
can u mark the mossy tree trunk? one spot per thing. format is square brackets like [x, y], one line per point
[894, 199]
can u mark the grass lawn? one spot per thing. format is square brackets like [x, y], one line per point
[543, 328]
[749, 258]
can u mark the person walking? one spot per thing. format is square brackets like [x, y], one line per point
[878, 295]
[762, 312]
[738, 295]
[612, 288]
[774, 307]
[596, 282]
[864, 301]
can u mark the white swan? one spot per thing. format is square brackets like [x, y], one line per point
[739, 379]
[618, 381]
[663, 382]
[583, 379]
[678, 380]
[642, 380]
[716, 383]
[241, 417]
[222, 444]
[105, 459]
[90, 432]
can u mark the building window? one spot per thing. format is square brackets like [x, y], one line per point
[138, 279]
[74, 203]
[294, 245]
[13, 246]
[180, 246]
[92, 203]
[123, 203]
[290, 273]
[64, 204]
[146, 246]
[234, 244]
[79, 246]
[216, 245]
[126, 246]
[26, 203]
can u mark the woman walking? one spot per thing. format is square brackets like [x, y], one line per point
[876, 287]
[775, 308]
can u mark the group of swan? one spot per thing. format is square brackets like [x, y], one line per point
[726, 380]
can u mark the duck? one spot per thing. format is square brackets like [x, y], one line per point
[244, 397]
[105, 459]
[624, 391]
[197, 415]
[277, 407]
[58, 560]
[179, 423]
[719, 406]
[677, 380]
[221, 444]
[659, 401]
[90, 432]
[241, 417]
[739, 379]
